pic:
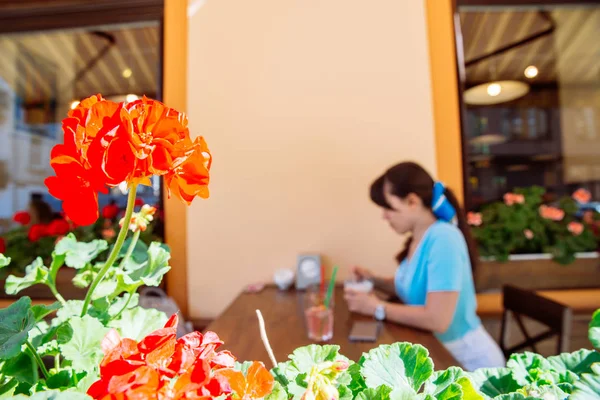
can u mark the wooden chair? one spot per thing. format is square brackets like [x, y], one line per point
[556, 316]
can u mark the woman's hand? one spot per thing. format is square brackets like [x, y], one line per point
[361, 302]
[362, 274]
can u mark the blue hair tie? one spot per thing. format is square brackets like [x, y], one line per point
[440, 205]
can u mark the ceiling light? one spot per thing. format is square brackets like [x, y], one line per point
[531, 71]
[487, 139]
[74, 104]
[495, 92]
[127, 72]
[494, 89]
[130, 98]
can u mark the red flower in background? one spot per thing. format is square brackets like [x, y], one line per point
[513, 198]
[110, 211]
[163, 367]
[58, 227]
[576, 228]
[582, 196]
[22, 217]
[107, 143]
[36, 232]
[2, 245]
[551, 213]
[139, 202]
[474, 219]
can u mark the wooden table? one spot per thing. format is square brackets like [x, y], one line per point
[286, 329]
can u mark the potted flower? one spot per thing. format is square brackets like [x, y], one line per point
[526, 242]
[107, 347]
[24, 243]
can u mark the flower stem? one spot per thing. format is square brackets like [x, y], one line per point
[125, 306]
[38, 359]
[115, 251]
[57, 362]
[61, 299]
[134, 240]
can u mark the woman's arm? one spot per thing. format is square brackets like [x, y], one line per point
[385, 285]
[436, 315]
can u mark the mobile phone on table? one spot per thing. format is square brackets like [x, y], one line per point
[364, 331]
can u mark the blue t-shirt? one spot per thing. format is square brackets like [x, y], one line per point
[441, 263]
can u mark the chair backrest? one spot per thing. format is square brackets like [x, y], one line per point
[520, 302]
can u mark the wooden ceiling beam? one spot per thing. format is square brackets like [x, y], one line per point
[38, 15]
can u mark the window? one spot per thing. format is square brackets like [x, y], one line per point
[531, 95]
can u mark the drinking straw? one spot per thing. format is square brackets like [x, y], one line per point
[322, 290]
[331, 286]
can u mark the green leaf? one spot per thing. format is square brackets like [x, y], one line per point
[41, 311]
[407, 393]
[79, 254]
[54, 395]
[278, 393]
[64, 333]
[57, 261]
[21, 368]
[35, 273]
[4, 261]
[515, 396]
[49, 349]
[66, 378]
[357, 383]
[344, 393]
[442, 386]
[84, 347]
[7, 388]
[138, 322]
[543, 392]
[578, 362]
[469, 392]
[84, 278]
[119, 303]
[588, 387]
[15, 323]
[594, 331]
[140, 251]
[493, 382]
[153, 269]
[87, 381]
[104, 289]
[72, 308]
[380, 393]
[399, 365]
[304, 358]
[530, 367]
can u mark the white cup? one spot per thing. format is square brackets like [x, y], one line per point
[359, 286]
[283, 278]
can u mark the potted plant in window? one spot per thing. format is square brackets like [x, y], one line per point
[526, 242]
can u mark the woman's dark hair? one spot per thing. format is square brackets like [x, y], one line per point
[410, 177]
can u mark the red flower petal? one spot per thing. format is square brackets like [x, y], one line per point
[22, 217]
[36, 232]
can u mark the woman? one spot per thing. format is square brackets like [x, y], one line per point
[434, 278]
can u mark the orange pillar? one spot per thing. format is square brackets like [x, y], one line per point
[444, 83]
[175, 47]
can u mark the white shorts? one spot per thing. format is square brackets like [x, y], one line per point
[476, 349]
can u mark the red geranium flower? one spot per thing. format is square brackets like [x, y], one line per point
[36, 232]
[22, 217]
[58, 227]
[110, 211]
[2, 245]
[107, 143]
[162, 367]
